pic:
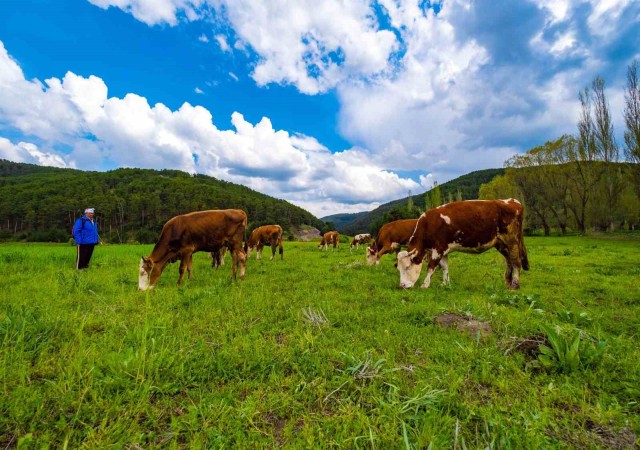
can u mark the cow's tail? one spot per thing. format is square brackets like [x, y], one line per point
[280, 249]
[524, 259]
[244, 235]
[523, 255]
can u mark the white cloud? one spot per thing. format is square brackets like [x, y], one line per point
[197, 90]
[605, 16]
[154, 12]
[203, 38]
[27, 152]
[222, 42]
[233, 75]
[129, 131]
[311, 44]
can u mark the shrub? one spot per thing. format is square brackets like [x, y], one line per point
[146, 236]
[48, 236]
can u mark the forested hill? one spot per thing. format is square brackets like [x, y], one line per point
[466, 187]
[41, 203]
[340, 221]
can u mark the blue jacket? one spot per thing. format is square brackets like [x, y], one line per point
[85, 231]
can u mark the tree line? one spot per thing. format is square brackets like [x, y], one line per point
[42, 203]
[581, 182]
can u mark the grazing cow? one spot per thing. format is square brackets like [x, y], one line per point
[330, 237]
[360, 239]
[200, 231]
[391, 236]
[266, 235]
[217, 257]
[472, 226]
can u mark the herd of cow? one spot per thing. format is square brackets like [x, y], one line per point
[471, 226]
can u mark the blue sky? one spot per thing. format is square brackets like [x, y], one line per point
[335, 106]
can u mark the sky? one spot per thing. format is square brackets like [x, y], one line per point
[335, 106]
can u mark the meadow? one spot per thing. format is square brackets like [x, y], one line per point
[321, 351]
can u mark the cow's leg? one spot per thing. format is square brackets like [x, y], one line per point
[516, 265]
[508, 272]
[184, 264]
[433, 264]
[444, 265]
[234, 262]
[274, 246]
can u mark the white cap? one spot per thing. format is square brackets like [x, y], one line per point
[90, 210]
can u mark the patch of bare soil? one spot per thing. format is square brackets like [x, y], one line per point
[305, 234]
[529, 346]
[462, 323]
[614, 439]
[597, 436]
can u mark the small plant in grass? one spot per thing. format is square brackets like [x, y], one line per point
[569, 353]
[365, 369]
[313, 317]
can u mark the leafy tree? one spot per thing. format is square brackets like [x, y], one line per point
[632, 123]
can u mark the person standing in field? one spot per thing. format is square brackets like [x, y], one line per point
[85, 233]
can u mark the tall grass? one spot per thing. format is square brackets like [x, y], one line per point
[317, 350]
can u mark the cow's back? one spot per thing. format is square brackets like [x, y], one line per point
[204, 229]
[468, 224]
[399, 231]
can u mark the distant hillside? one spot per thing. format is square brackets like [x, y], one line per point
[41, 203]
[468, 185]
[343, 220]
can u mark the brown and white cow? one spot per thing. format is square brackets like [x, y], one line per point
[266, 235]
[200, 231]
[391, 236]
[329, 238]
[472, 226]
[358, 239]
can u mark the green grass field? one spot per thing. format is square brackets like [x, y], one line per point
[319, 351]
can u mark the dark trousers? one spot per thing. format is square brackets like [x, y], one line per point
[84, 255]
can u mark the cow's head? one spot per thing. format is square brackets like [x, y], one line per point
[372, 255]
[408, 268]
[144, 276]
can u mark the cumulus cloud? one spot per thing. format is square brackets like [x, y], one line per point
[27, 152]
[433, 86]
[77, 113]
[154, 12]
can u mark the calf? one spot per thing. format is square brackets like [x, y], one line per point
[330, 237]
[217, 257]
[266, 235]
[391, 236]
[360, 239]
[472, 226]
